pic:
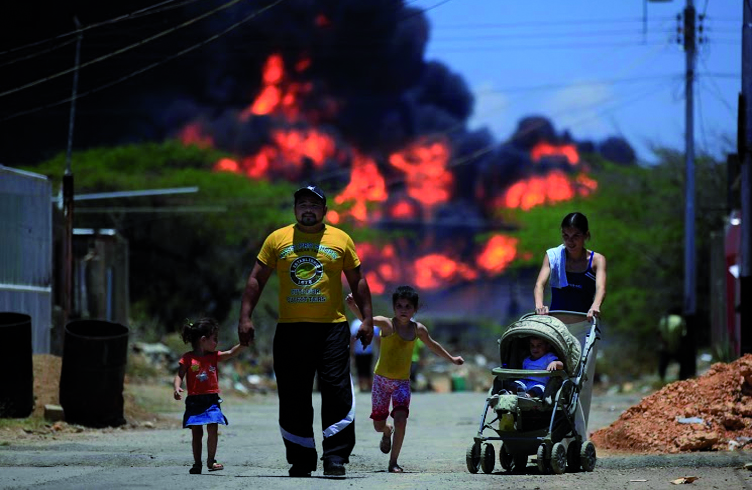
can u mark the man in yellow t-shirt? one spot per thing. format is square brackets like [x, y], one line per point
[312, 332]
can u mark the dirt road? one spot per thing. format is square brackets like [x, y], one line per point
[440, 429]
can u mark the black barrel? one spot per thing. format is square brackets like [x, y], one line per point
[91, 379]
[17, 385]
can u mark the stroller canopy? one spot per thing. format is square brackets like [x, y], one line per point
[512, 350]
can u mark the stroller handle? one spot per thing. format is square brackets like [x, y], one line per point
[555, 313]
[527, 373]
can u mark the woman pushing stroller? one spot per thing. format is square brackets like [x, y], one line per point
[577, 275]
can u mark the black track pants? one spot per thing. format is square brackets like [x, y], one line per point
[300, 351]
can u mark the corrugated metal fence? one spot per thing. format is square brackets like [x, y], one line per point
[26, 250]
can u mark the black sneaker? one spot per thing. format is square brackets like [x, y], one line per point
[334, 468]
[298, 472]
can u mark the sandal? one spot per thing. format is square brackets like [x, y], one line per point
[214, 466]
[386, 442]
[195, 469]
[395, 468]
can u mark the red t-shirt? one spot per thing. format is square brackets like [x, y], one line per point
[201, 375]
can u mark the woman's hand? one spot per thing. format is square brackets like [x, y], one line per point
[593, 312]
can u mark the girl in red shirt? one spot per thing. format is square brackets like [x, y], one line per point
[199, 367]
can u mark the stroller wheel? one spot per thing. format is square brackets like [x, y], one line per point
[558, 458]
[543, 460]
[506, 459]
[487, 458]
[573, 456]
[587, 456]
[472, 457]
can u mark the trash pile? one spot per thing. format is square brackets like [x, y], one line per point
[712, 412]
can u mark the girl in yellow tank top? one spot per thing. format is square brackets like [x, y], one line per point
[391, 380]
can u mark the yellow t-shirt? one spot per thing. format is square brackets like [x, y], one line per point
[309, 266]
[395, 356]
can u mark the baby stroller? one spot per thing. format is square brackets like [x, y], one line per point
[554, 426]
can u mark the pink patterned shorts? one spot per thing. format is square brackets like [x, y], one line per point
[385, 390]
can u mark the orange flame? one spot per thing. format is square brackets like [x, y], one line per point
[403, 210]
[498, 253]
[428, 179]
[543, 149]
[525, 194]
[587, 185]
[227, 165]
[191, 135]
[278, 94]
[366, 185]
[437, 270]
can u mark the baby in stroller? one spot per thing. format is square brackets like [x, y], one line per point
[540, 358]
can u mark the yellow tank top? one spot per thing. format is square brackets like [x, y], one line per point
[396, 356]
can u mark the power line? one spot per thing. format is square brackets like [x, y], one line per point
[518, 47]
[133, 15]
[39, 53]
[548, 23]
[122, 50]
[151, 66]
[719, 92]
[553, 86]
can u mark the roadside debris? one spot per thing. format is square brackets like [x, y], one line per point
[710, 412]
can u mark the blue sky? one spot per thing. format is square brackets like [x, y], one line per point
[593, 67]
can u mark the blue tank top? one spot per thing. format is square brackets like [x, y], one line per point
[579, 294]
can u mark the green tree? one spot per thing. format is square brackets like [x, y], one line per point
[188, 253]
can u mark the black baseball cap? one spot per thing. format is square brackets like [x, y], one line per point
[311, 189]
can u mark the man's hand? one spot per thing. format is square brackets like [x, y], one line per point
[365, 332]
[246, 331]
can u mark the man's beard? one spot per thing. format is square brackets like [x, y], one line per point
[308, 220]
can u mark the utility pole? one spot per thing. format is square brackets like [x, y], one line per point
[68, 193]
[744, 144]
[689, 366]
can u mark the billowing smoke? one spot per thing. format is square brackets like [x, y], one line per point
[337, 91]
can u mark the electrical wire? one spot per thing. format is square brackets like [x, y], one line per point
[133, 15]
[39, 53]
[536, 23]
[719, 92]
[122, 50]
[520, 47]
[700, 115]
[151, 66]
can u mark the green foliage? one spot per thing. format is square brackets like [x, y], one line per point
[189, 254]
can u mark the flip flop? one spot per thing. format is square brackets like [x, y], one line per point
[386, 443]
[214, 466]
[195, 469]
[395, 468]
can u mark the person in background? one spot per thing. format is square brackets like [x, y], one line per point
[363, 356]
[417, 364]
[391, 380]
[672, 330]
[202, 405]
[312, 335]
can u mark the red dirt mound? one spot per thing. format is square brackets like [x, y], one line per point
[711, 412]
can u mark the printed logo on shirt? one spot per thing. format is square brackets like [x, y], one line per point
[306, 271]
